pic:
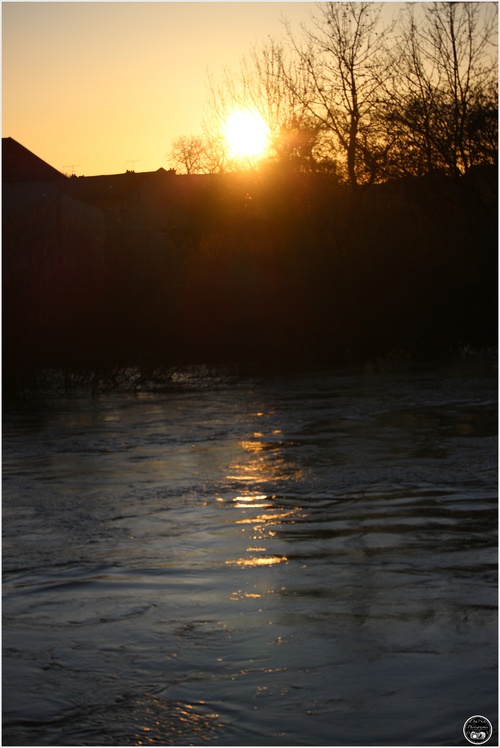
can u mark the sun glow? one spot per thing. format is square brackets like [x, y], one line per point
[247, 135]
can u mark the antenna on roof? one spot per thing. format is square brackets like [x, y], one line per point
[133, 162]
[72, 167]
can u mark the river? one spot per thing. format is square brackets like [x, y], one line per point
[303, 559]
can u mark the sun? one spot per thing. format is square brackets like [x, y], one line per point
[247, 135]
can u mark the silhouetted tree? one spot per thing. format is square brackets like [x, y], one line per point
[444, 92]
[340, 67]
[187, 152]
[198, 155]
[363, 99]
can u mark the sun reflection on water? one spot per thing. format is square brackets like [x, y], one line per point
[251, 501]
[158, 721]
[263, 460]
[262, 527]
[259, 561]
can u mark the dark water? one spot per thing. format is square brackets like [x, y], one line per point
[302, 560]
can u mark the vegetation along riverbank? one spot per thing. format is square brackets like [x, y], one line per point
[265, 266]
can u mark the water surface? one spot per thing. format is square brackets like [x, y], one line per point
[286, 560]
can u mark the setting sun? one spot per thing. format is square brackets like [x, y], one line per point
[247, 134]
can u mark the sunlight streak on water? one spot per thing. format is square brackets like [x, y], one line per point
[259, 561]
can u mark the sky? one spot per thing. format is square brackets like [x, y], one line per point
[102, 87]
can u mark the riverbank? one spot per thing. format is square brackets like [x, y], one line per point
[272, 268]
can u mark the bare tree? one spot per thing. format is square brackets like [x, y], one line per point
[340, 68]
[349, 95]
[198, 154]
[444, 96]
[187, 153]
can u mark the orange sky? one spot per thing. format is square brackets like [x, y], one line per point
[105, 87]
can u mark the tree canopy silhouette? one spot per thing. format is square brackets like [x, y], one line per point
[368, 99]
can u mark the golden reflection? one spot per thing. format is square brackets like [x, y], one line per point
[258, 561]
[246, 502]
[259, 446]
[240, 595]
[270, 518]
[262, 459]
[158, 720]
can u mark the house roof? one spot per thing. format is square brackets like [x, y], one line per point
[21, 165]
[109, 186]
